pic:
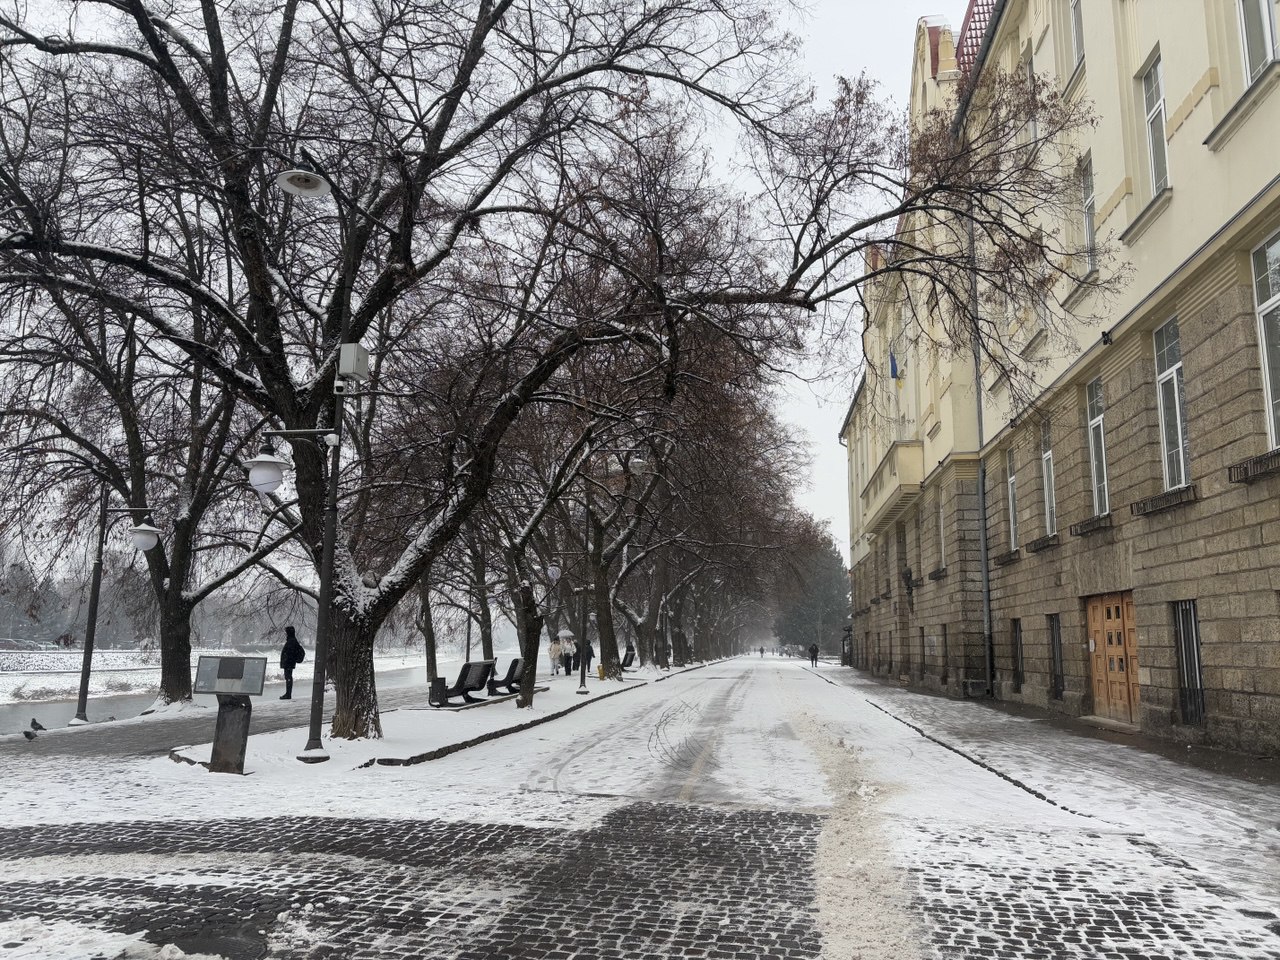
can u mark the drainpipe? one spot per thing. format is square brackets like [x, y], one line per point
[988, 643]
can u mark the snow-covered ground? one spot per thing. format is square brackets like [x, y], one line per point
[1006, 837]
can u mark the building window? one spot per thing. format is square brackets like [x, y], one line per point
[1186, 635]
[1266, 284]
[942, 533]
[1087, 205]
[1013, 499]
[1046, 476]
[946, 657]
[1257, 26]
[1077, 31]
[1015, 639]
[1153, 101]
[1097, 448]
[1171, 395]
[1057, 678]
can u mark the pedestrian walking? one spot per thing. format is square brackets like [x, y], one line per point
[762, 653]
[554, 652]
[813, 654]
[590, 654]
[291, 654]
[566, 651]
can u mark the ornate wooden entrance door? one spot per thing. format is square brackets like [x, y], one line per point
[1113, 649]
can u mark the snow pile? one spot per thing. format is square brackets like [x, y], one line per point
[31, 938]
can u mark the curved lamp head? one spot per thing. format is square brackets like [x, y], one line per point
[266, 471]
[638, 465]
[303, 183]
[553, 572]
[144, 536]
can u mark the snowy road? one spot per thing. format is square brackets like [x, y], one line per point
[752, 808]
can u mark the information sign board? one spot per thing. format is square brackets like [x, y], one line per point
[236, 675]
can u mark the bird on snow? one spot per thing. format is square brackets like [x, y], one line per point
[36, 724]
[29, 734]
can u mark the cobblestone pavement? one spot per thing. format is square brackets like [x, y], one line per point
[1022, 895]
[690, 833]
[651, 880]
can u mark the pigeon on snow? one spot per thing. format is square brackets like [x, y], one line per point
[30, 735]
[36, 724]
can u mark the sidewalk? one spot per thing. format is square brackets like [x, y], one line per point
[1220, 812]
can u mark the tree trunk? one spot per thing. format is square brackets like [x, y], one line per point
[355, 716]
[529, 624]
[600, 589]
[175, 651]
[480, 597]
[427, 627]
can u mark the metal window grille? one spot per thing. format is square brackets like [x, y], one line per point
[1186, 634]
[1057, 678]
[1018, 666]
[946, 656]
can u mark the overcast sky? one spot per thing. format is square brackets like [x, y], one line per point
[846, 37]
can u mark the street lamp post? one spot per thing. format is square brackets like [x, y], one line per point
[353, 364]
[144, 537]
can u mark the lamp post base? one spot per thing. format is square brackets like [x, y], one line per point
[313, 753]
[583, 691]
[79, 720]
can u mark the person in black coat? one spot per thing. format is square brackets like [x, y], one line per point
[291, 654]
[813, 654]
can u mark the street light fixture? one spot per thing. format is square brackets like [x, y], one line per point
[145, 537]
[303, 183]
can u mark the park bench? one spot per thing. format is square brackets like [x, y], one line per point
[473, 678]
[511, 682]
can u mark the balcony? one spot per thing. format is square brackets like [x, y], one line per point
[894, 486]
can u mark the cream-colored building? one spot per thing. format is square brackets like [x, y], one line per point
[1132, 513]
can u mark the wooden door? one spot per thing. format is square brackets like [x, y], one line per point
[1113, 647]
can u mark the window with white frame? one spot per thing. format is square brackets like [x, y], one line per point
[1171, 396]
[1097, 448]
[1153, 103]
[1258, 31]
[1266, 285]
[1013, 498]
[1077, 31]
[1046, 476]
[1087, 203]
[942, 533]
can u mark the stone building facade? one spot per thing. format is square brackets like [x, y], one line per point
[1133, 509]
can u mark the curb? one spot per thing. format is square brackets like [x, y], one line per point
[451, 748]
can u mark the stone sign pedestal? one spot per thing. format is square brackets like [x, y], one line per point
[231, 735]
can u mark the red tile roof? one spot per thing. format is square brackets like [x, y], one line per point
[972, 30]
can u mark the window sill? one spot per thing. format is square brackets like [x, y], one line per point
[1255, 468]
[938, 574]
[1243, 108]
[1164, 501]
[875, 600]
[1092, 525]
[1075, 81]
[1043, 543]
[1149, 214]
[1083, 288]
[1013, 556]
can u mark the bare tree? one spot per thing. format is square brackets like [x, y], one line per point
[511, 189]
